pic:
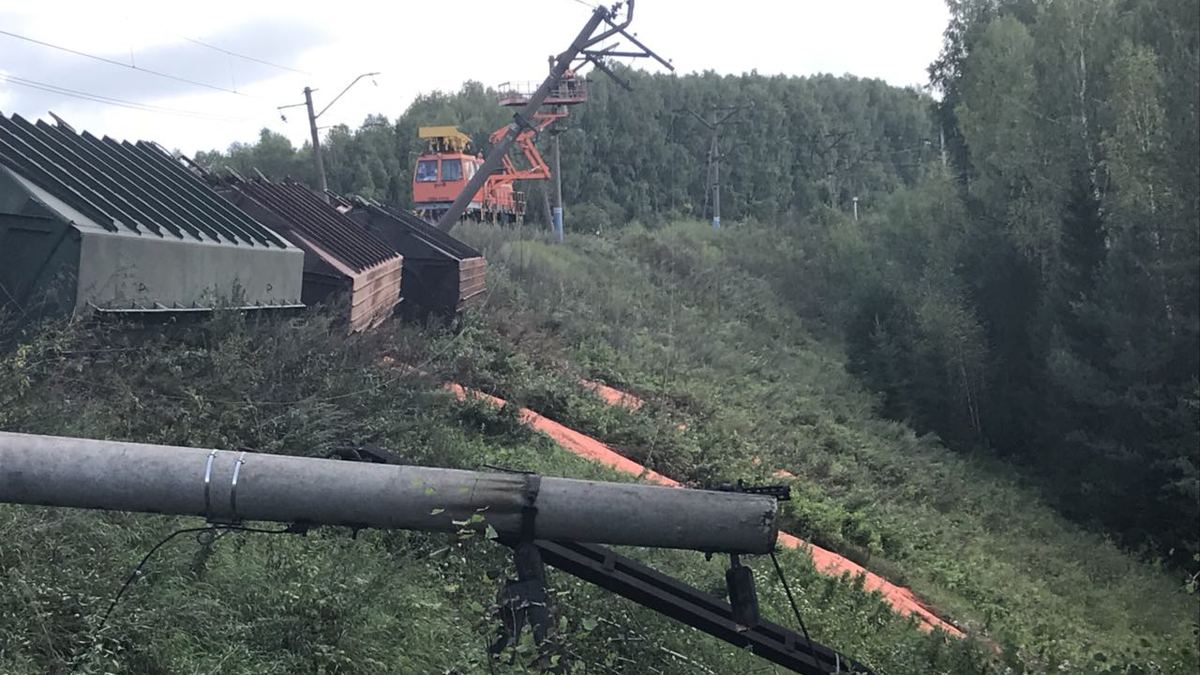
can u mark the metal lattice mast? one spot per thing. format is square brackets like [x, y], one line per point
[600, 27]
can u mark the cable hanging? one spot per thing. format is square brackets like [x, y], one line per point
[123, 65]
[212, 529]
[244, 56]
[792, 601]
[118, 102]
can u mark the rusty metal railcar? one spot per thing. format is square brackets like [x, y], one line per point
[342, 260]
[442, 275]
[91, 225]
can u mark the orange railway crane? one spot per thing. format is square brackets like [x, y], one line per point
[445, 168]
[605, 24]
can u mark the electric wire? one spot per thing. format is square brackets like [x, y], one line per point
[113, 101]
[103, 59]
[792, 601]
[255, 59]
[214, 529]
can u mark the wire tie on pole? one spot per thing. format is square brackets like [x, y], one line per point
[208, 465]
[237, 469]
[533, 485]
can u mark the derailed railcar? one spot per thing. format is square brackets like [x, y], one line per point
[91, 225]
[442, 275]
[341, 259]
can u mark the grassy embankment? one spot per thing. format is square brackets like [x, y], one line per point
[700, 323]
[674, 316]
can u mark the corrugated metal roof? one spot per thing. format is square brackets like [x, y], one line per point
[125, 187]
[317, 221]
[419, 228]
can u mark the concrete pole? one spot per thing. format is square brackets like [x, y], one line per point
[545, 190]
[318, 162]
[942, 144]
[716, 178]
[230, 486]
[522, 119]
[558, 201]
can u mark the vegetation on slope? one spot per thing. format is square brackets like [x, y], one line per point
[681, 316]
[690, 319]
[1033, 290]
[331, 601]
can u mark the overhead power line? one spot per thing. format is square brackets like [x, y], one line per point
[121, 64]
[118, 102]
[246, 57]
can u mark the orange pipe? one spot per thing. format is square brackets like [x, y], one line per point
[901, 599]
[614, 397]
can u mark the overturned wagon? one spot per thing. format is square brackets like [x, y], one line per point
[342, 261]
[442, 275]
[91, 225]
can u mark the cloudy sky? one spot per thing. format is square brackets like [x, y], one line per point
[213, 98]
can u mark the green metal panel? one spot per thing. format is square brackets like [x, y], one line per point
[39, 254]
[92, 223]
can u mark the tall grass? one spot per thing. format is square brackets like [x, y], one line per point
[706, 326]
[333, 601]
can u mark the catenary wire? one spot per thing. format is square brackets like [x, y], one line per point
[103, 59]
[255, 59]
[109, 100]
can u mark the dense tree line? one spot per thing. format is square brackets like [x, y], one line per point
[1041, 297]
[638, 154]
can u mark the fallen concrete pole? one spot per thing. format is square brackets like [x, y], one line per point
[232, 486]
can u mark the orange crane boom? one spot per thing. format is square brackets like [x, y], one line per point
[537, 167]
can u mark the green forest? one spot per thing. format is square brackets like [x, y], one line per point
[964, 319]
[1023, 280]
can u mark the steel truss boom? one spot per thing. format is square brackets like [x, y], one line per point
[538, 170]
[523, 119]
[671, 597]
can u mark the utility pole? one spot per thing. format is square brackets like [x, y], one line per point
[228, 486]
[544, 520]
[318, 161]
[556, 217]
[549, 215]
[717, 118]
[942, 143]
[580, 47]
[558, 200]
[716, 175]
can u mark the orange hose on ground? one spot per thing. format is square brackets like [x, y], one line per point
[613, 396]
[902, 600]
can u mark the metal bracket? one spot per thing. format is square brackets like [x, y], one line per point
[526, 600]
[209, 516]
[233, 483]
[781, 493]
[743, 598]
[208, 465]
[533, 484]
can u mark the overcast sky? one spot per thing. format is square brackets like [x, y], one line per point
[417, 46]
